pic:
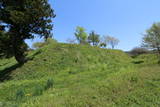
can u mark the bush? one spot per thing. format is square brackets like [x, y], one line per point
[38, 90]
[49, 83]
[20, 94]
[134, 79]
[138, 51]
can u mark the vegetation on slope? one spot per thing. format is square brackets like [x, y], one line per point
[74, 75]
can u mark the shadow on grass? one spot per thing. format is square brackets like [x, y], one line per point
[6, 73]
[34, 55]
[138, 62]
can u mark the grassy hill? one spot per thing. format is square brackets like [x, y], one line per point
[59, 75]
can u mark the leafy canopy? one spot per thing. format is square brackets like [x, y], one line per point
[20, 20]
[81, 35]
[94, 38]
[152, 37]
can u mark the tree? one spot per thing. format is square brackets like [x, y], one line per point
[21, 20]
[102, 45]
[94, 38]
[47, 37]
[138, 51]
[81, 35]
[152, 37]
[103, 42]
[112, 41]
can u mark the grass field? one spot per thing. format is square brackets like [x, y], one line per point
[64, 75]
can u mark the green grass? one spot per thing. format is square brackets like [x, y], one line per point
[146, 59]
[63, 75]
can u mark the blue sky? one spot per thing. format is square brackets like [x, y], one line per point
[126, 20]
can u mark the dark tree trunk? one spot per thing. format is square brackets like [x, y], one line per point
[20, 57]
[19, 48]
[158, 49]
[93, 43]
[46, 38]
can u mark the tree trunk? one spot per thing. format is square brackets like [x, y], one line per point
[20, 57]
[158, 49]
[19, 48]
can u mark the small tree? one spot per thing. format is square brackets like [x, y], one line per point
[138, 51]
[81, 35]
[93, 38]
[151, 39]
[103, 42]
[48, 37]
[102, 45]
[112, 41]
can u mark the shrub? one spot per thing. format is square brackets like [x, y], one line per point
[38, 90]
[134, 79]
[138, 51]
[49, 83]
[20, 94]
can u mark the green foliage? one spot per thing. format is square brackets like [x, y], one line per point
[152, 37]
[146, 59]
[81, 35]
[138, 51]
[38, 90]
[102, 45]
[49, 83]
[20, 94]
[21, 20]
[5, 50]
[94, 38]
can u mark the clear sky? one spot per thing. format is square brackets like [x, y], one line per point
[126, 20]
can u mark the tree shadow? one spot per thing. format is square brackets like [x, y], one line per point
[34, 55]
[138, 62]
[6, 73]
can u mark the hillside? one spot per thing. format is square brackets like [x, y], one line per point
[77, 76]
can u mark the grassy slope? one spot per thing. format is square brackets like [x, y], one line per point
[83, 76]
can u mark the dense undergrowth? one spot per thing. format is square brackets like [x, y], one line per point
[79, 76]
